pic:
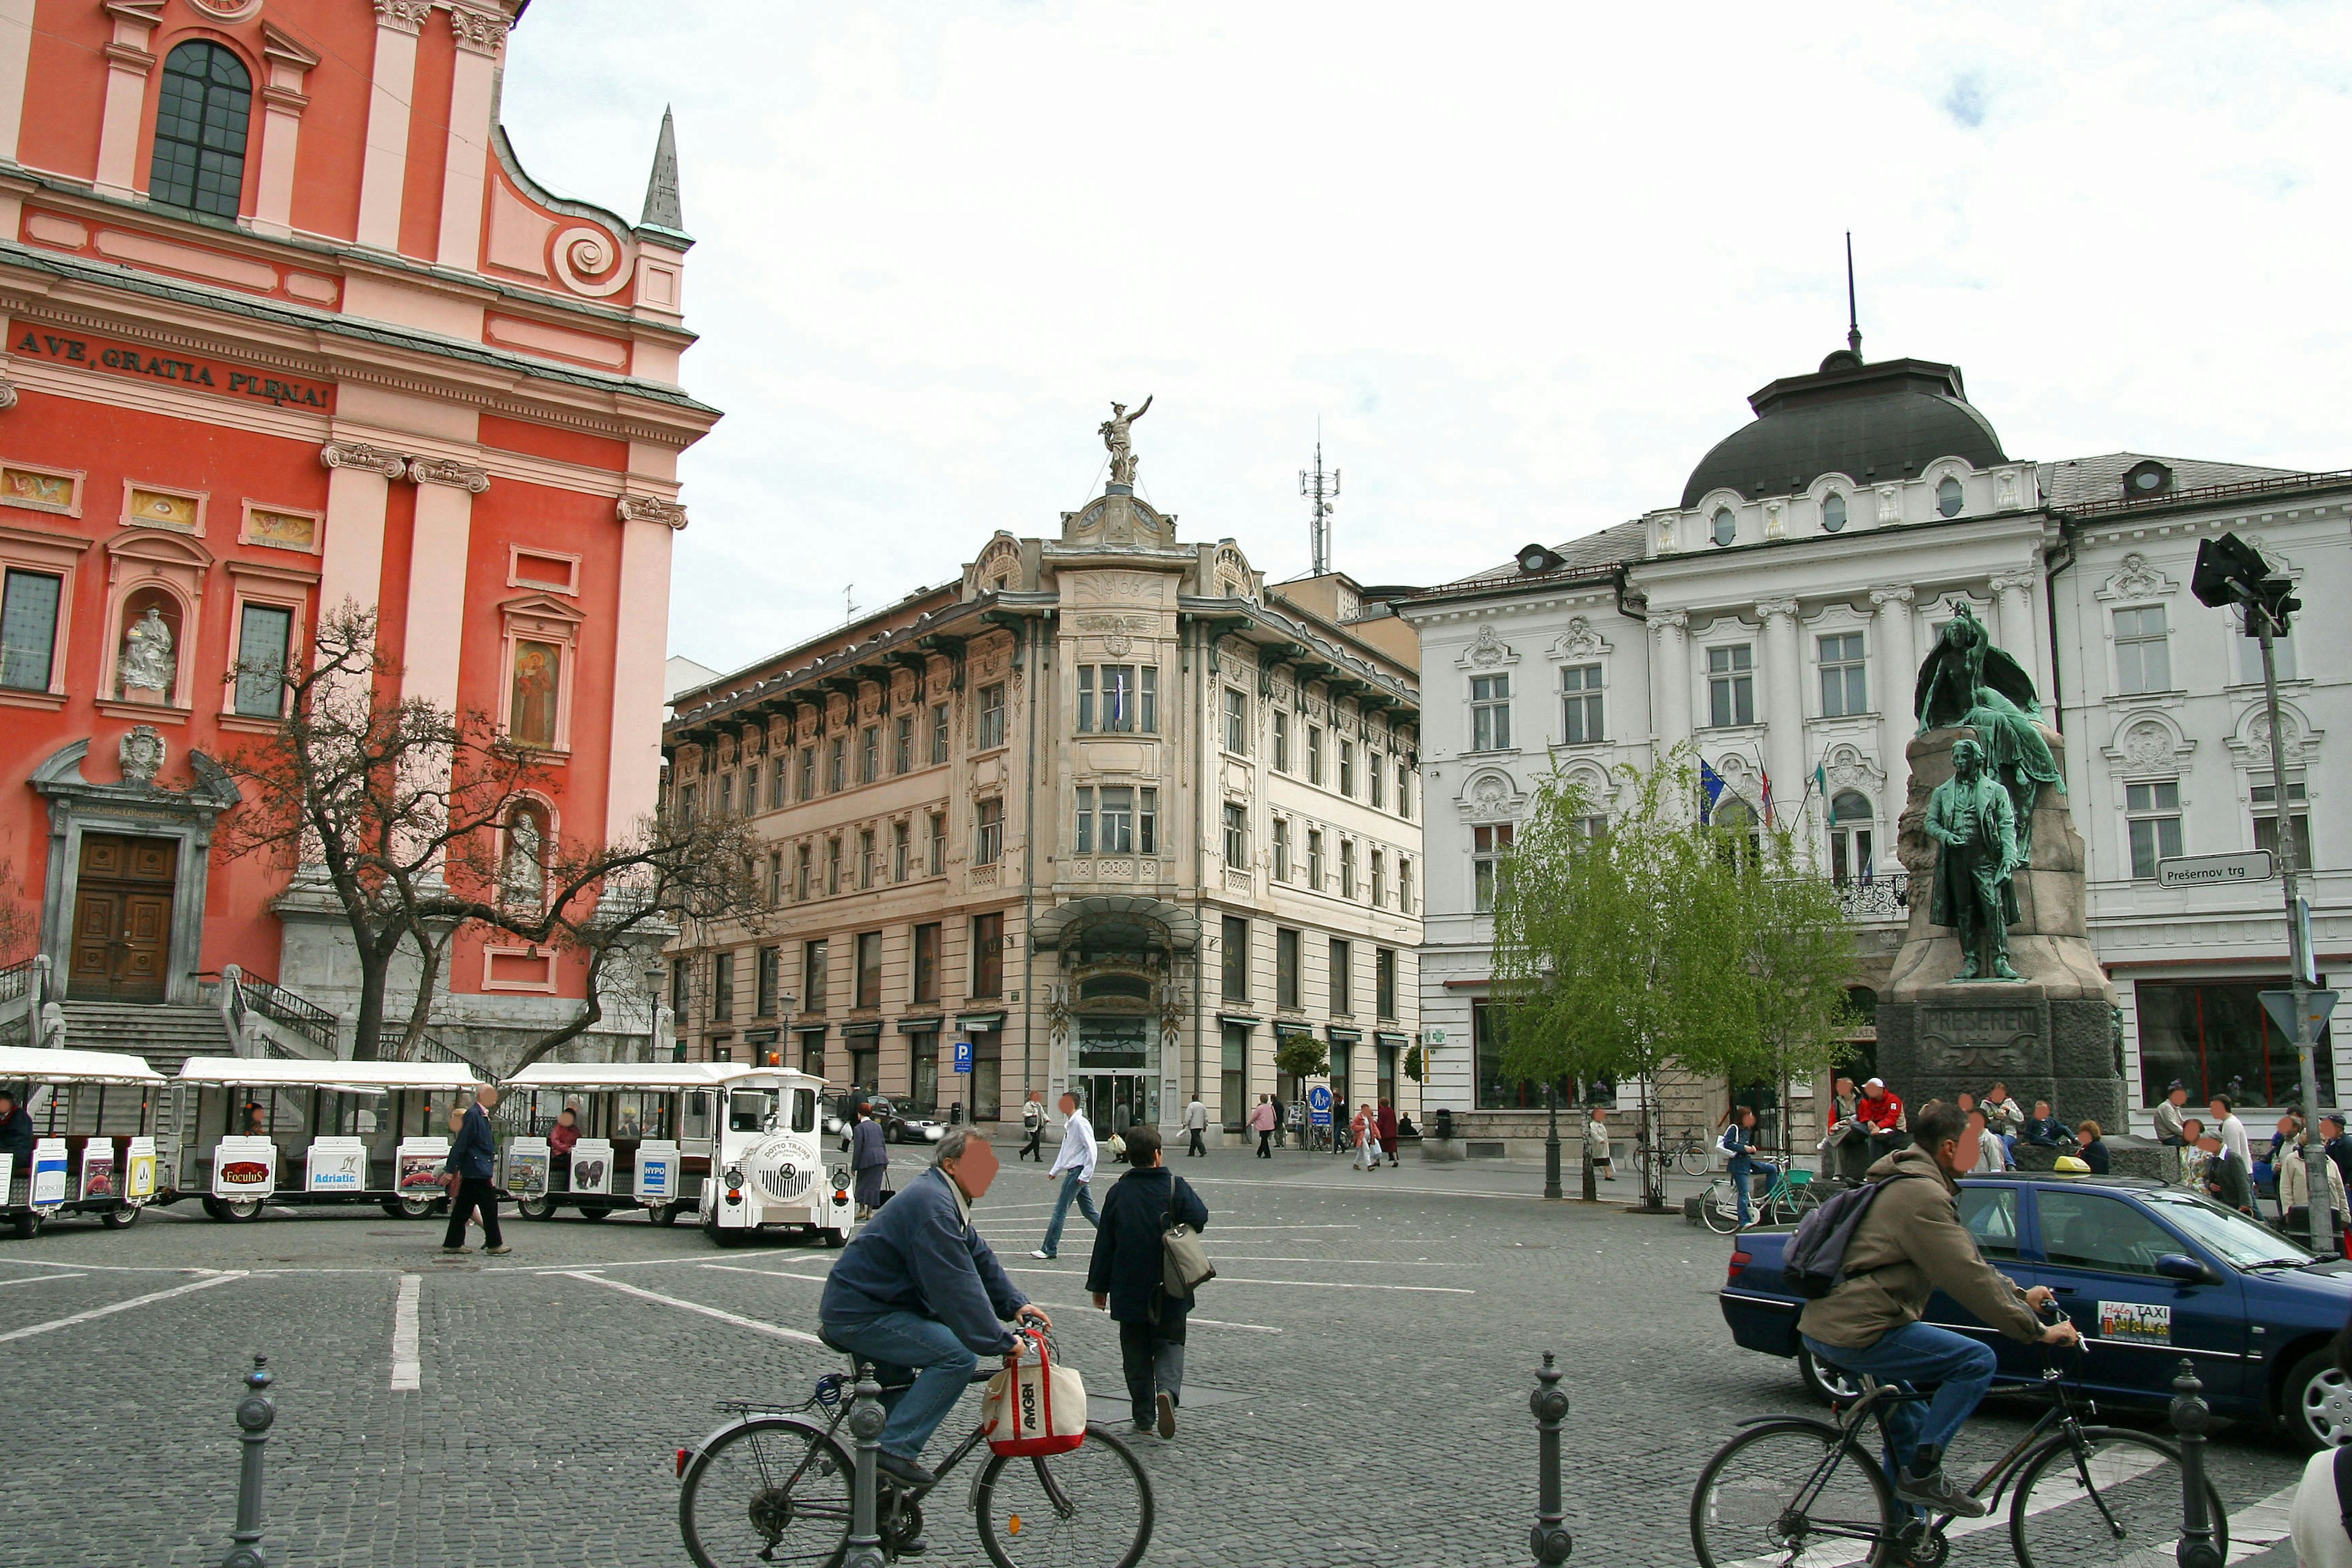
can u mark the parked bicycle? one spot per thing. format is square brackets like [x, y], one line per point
[1804, 1493]
[773, 1486]
[1792, 1195]
[1694, 1155]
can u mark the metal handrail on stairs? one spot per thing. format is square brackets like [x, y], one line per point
[241, 995]
[28, 987]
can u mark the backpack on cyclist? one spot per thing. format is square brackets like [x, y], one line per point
[1815, 1260]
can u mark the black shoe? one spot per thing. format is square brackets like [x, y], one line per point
[906, 1470]
[1936, 1492]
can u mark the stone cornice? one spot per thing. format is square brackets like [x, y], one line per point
[478, 32]
[403, 15]
[650, 508]
[360, 454]
[450, 472]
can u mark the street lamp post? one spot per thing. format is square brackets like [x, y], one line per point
[2229, 571]
[1551, 1142]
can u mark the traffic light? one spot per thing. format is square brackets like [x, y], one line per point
[2232, 572]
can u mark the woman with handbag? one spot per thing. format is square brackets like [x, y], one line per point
[869, 1161]
[1129, 1273]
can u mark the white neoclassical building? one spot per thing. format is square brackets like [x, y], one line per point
[1775, 619]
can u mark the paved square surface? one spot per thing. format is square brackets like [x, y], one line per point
[1362, 1369]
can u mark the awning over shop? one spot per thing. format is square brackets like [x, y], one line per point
[1117, 923]
[1246, 1020]
[979, 1023]
[929, 1026]
[1343, 1036]
[865, 1031]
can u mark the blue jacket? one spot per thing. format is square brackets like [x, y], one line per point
[474, 1154]
[1129, 1260]
[2049, 1131]
[918, 1254]
[868, 1146]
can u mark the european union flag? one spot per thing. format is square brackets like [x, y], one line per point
[1710, 787]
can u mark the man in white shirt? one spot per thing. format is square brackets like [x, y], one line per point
[1196, 1122]
[1075, 1165]
[2232, 1132]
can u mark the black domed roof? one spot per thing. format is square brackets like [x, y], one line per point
[1868, 422]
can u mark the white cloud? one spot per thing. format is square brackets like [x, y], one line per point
[1524, 260]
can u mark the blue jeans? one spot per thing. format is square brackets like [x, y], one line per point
[1072, 1188]
[901, 1344]
[1920, 1353]
[1744, 1168]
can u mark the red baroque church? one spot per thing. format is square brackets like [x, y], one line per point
[288, 324]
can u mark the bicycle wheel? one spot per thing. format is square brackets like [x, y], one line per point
[1090, 1508]
[1792, 1203]
[2119, 1498]
[773, 1489]
[1693, 1159]
[1773, 1495]
[1718, 1208]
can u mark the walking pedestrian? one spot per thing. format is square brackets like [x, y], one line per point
[1366, 1132]
[1596, 1142]
[1075, 1165]
[869, 1159]
[1126, 1278]
[2294, 1195]
[1265, 1120]
[473, 1160]
[2227, 1175]
[1387, 1128]
[1196, 1123]
[1738, 1140]
[2232, 1132]
[1033, 1122]
[2339, 1146]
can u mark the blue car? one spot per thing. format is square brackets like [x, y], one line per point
[2149, 1273]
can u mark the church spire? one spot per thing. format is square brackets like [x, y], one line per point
[661, 190]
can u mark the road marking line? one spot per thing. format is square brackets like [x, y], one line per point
[1053, 1306]
[42, 1279]
[205, 1284]
[766, 1273]
[682, 1306]
[407, 1373]
[1308, 1284]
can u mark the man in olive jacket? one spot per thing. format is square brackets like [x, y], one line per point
[1909, 1244]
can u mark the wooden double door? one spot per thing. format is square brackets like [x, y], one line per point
[122, 918]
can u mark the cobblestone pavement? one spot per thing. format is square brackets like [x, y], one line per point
[1360, 1376]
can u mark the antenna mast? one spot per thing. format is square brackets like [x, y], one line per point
[1852, 317]
[1321, 488]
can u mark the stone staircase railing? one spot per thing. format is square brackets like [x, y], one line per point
[267, 1019]
[27, 990]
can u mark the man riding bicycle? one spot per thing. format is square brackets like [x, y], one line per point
[918, 1292]
[1910, 1243]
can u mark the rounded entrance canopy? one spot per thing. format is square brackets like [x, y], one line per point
[1118, 922]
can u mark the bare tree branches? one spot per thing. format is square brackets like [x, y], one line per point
[420, 823]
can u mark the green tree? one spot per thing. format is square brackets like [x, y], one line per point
[1799, 959]
[1619, 949]
[1302, 1057]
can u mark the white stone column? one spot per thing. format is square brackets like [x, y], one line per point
[633, 780]
[1670, 680]
[129, 63]
[436, 556]
[1784, 709]
[2020, 635]
[351, 562]
[384, 173]
[1893, 670]
[466, 168]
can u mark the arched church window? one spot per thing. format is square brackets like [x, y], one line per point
[1852, 829]
[200, 130]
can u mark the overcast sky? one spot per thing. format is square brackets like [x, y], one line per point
[1523, 261]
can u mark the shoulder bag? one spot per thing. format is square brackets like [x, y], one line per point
[1183, 1261]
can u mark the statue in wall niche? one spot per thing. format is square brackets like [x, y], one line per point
[146, 664]
[1965, 680]
[1115, 435]
[1972, 816]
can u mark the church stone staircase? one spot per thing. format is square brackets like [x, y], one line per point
[166, 1037]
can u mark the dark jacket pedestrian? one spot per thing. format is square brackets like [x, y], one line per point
[2340, 1149]
[2228, 1178]
[869, 1157]
[474, 1161]
[2047, 1131]
[1125, 1275]
[15, 1135]
[1387, 1125]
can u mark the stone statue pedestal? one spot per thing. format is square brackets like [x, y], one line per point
[2050, 1035]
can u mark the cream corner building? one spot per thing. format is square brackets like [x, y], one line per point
[1107, 808]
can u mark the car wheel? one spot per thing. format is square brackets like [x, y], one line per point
[25, 1225]
[593, 1211]
[834, 1236]
[240, 1210]
[121, 1216]
[538, 1207]
[663, 1214]
[1830, 1385]
[2316, 1407]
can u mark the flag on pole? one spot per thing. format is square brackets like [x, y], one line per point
[1822, 780]
[1768, 798]
[1710, 786]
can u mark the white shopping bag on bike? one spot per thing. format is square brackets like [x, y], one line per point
[1035, 1405]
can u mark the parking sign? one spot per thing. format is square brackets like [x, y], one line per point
[963, 1056]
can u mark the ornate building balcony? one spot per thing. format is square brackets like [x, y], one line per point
[1881, 895]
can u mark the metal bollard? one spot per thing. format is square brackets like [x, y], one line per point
[1549, 1540]
[254, 1413]
[866, 1421]
[2190, 1418]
